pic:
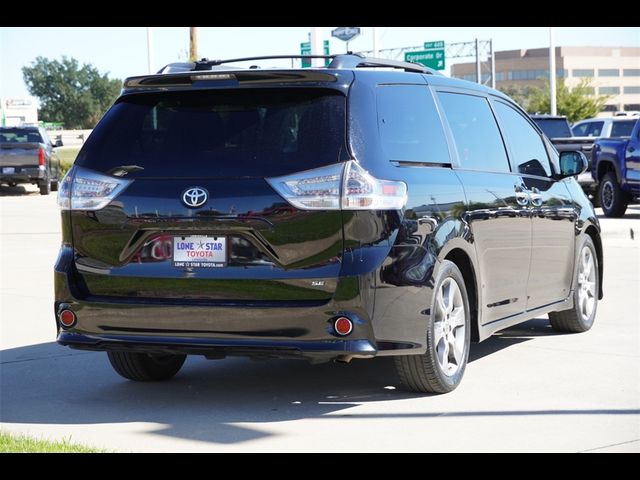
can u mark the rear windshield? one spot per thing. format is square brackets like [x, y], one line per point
[622, 129]
[554, 128]
[20, 135]
[255, 132]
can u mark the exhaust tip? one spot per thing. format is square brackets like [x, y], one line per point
[343, 326]
[67, 318]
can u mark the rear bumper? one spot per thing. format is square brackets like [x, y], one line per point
[216, 329]
[219, 347]
[22, 175]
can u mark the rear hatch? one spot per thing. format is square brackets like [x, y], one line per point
[19, 147]
[194, 218]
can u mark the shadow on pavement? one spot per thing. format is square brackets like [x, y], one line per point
[49, 384]
[17, 191]
[633, 212]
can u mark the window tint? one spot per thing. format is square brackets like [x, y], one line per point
[595, 129]
[475, 132]
[622, 129]
[219, 133]
[588, 129]
[527, 149]
[20, 135]
[580, 129]
[554, 127]
[409, 124]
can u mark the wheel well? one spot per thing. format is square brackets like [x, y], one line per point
[463, 262]
[593, 233]
[603, 168]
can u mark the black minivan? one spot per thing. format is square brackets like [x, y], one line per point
[369, 208]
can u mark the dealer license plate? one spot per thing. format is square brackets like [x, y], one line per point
[8, 170]
[199, 251]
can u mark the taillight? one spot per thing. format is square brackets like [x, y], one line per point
[343, 185]
[41, 156]
[83, 189]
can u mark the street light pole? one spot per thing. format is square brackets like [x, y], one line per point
[478, 73]
[150, 49]
[193, 44]
[376, 42]
[552, 72]
[316, 47]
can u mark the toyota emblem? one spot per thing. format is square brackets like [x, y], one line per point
[195, 197]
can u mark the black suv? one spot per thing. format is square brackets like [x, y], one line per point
[370, 208]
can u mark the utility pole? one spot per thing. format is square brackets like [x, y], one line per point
[478, 74]
[193, 44]
[316, 47]
[552, 72]
[150, 49]
[493, 64]
[376, 42]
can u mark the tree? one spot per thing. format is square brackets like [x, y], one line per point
[76, 95]
[521, 94]
[576, 103]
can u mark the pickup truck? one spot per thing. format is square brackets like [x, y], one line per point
[27, 156]
[557, 129]
[616, 168]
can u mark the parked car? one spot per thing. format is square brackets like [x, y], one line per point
[27, 155]
[558, 130]
[616, 168]
[394, 212]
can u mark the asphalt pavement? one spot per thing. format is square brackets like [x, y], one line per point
[525, 389]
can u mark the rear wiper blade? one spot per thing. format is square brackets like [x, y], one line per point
[122, 170]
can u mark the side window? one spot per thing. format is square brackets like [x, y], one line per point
[475, 132]
[595, 129]
[409, 124]
[527, 149]
[581, 129]
[622, 129]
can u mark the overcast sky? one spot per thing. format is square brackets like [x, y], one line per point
[122, 51]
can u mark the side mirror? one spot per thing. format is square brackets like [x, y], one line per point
[573, 163]
[58, 143]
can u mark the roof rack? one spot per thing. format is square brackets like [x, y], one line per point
[340, 61]
[354, 60]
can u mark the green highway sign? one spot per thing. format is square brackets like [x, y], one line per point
[305, 49]
[431, 45]
[429, 58]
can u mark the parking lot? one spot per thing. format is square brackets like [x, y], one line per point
[527, 388]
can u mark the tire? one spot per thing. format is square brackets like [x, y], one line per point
[585, 293]
[45, 187]
[612, 198]
[425, 373]
[54, 185]
[142, 367]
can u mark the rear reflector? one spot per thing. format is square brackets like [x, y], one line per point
[343, 326]
[67, 318]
